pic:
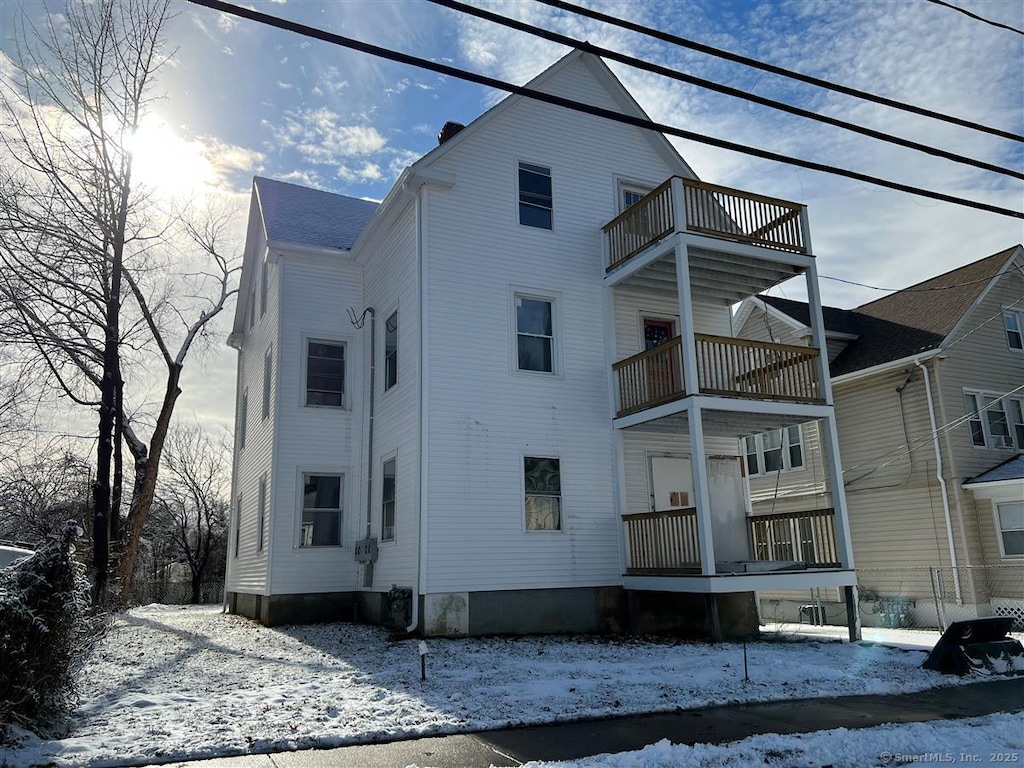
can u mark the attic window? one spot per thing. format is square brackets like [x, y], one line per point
[1014, 323]
[535, 200]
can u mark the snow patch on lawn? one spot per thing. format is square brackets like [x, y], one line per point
[170, 684]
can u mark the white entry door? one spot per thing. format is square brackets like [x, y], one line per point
[671, 483]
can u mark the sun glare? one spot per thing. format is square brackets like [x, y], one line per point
[167, 163]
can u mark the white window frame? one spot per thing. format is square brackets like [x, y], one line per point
[261, 531]
[560, 496]
[625, 187]
[530, 167]
[237, 544]
[391, 459]
[786, 446]
[1009, 406]
[1016, 317]
[268, 372]
[304, 392]
[391, 361]
[263, 288]
[1000, 530]
[555, 300]
[243, 419]
[301, 506]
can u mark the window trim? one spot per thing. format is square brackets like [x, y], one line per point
[303, 473]
[389, 366]
[999, 530]
[385, 460]
[237, 544]
[785, 447]
[268, 382]
[1016, 443]
[261, 525]
[623, 186]
[530, 166]
[263, 288]
[555, 299]
[523, 495]
[243, 419]
[345, 343]
[1018, 316]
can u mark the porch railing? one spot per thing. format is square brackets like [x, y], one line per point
[651, 378]
[745, 368]
[662, 542]
[725, 366]
[710, 209]
[808, 537]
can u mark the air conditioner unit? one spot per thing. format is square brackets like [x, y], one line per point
[1003, 441]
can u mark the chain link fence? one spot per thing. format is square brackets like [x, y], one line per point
[909, 598]
[175, 592]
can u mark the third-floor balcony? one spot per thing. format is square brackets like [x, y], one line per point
[688, 205]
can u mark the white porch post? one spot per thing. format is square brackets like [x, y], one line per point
[701, 491]
[818, 331]
[691, 382]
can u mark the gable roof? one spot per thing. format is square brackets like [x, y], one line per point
[304, 216]
[910, 321]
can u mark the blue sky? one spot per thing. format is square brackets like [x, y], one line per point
[240, 99]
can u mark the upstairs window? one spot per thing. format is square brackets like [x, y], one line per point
[325, 373]
[267, 364]
[263, 289]
[535, 201]
[238, 525]
[387, 502]
[321, 510]
[243, 415]
[262, 522]
[1013, 322]
[543, 483]
[391, 351]
[535, 338]
[994, 421]
[780, 450]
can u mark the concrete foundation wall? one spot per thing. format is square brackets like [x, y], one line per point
[275, 610]
[690, 615]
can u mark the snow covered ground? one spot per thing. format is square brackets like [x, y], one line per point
[171, 683]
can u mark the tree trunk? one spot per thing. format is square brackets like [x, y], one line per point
[145, 488]
[104, 451]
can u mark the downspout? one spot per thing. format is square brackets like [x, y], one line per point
[942, 481]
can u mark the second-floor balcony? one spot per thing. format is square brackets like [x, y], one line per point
[688, 205]
[726, 366]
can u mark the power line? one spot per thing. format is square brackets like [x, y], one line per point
[404, 58]
[674, 74]
[728, 55]
[975, 16]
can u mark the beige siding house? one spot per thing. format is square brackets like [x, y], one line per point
[929, 398]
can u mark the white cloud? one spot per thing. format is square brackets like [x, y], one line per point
[317, 135]
[226, 23]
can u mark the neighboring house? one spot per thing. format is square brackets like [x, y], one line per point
[535, 429]
[929, 398]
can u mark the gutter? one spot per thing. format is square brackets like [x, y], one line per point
[942, 481]
[903, 362]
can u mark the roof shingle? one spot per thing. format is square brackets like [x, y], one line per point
[304, 216]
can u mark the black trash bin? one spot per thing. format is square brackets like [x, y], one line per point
[977, 644]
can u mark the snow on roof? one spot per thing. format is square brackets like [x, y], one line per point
[296, 214]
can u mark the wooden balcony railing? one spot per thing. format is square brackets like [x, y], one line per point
[711, 210]
[725, 366]
[651, 378]
[808, 537]
[757, 369]
[663, 542]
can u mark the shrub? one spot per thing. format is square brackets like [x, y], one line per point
[43, 632]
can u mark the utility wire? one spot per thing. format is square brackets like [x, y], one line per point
[975, 16]
[710, 85]
[728, 55]
[461, 74]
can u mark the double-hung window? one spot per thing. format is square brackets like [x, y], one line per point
[387, 501]
[321, 510]
[391, 351]
[325, 373]
[535, 339]
[780, 450]
[267, 365]
[535, 199]
[263, 288]
[994, 421]
[238, 525]
[1013, 322]
[262, 522]
[543, 483]
[1010, 517]
[243, 415]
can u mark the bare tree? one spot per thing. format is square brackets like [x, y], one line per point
[39, 496]
[87, 282]
[191, 507]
